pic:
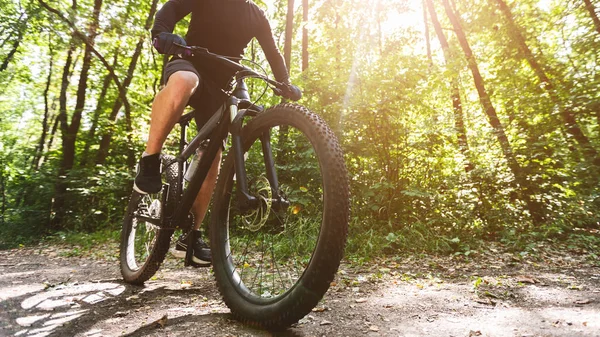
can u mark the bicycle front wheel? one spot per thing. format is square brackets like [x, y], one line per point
[273, 264]
[144, 244]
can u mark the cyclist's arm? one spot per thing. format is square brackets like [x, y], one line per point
[170, 13]
[267, 43]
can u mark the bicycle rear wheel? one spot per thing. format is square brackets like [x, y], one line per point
[274, 264]
[144, 244]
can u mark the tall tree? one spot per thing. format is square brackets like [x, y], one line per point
[304, 35]
[426, 25]
[69, 131]
[21, 27]
[567, 115]
[2, 194]
[459, 121]
[89, 44]
[592, 10]
[107, 136]
[289, 34]
[40, 147]
[287, 56]
[51, 138]
[520, 176]
[91, 137]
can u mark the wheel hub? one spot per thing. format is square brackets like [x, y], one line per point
[255, 219]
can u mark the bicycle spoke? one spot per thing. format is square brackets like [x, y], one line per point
[245, 255]
[276, 266]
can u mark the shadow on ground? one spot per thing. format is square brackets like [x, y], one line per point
[47, 295]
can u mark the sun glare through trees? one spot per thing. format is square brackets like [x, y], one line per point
[460, 120]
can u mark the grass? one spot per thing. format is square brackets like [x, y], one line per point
[367, 240]
[84, 240]
[102, 244]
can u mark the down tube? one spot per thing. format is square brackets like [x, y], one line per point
[216, 141]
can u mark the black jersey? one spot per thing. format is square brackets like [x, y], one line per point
[223, 27]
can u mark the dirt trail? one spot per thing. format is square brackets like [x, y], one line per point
[44, 293]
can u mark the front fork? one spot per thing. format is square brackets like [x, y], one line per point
[246, 201]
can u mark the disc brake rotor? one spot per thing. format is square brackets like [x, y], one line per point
[256, 219]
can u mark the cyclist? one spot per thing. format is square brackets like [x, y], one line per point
[224, 27]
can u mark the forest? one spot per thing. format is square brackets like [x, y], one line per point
[461, 121]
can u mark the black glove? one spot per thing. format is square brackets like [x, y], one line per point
[165, 43]
[290, 92]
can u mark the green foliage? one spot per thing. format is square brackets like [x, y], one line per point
[84, 241]
[369, 76]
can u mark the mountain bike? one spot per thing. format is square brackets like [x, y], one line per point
[280, 211]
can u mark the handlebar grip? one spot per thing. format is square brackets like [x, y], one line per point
[277, 91]
[289, 91]
[295, 94]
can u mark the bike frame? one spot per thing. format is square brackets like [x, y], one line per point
[228, 119]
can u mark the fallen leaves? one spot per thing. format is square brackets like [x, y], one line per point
[161, 322]
[321, 309]
[486, 301]
[526, 279]
[121, 313]
[584, 301]
[133, 299]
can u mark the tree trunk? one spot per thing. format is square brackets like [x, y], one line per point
[82, 87]
[459, 123]
[287, 55]
[69, 132]
[426, 23]
[520, 177]
[304, 35]
[11, 54]
[378, 18]
[88, 43]
[42, 142]
[51, 140]
[107, 137]
[91, 137]
[590, 7]
[21, 27]
[61, 120]
[289, 27]
[4, 29]
[568, 117]
[2, 193]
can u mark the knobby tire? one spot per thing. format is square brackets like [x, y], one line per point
[287, 308]
[146, 269]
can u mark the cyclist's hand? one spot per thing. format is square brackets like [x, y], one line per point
[165, 43]
[290, 91]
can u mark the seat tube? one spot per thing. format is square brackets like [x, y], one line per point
[181, 165]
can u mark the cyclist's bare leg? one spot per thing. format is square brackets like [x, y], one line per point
[200, 206]
[168, 106]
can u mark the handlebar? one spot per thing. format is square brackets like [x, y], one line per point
[280, 89]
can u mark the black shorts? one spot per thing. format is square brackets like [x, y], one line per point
[206, 100]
